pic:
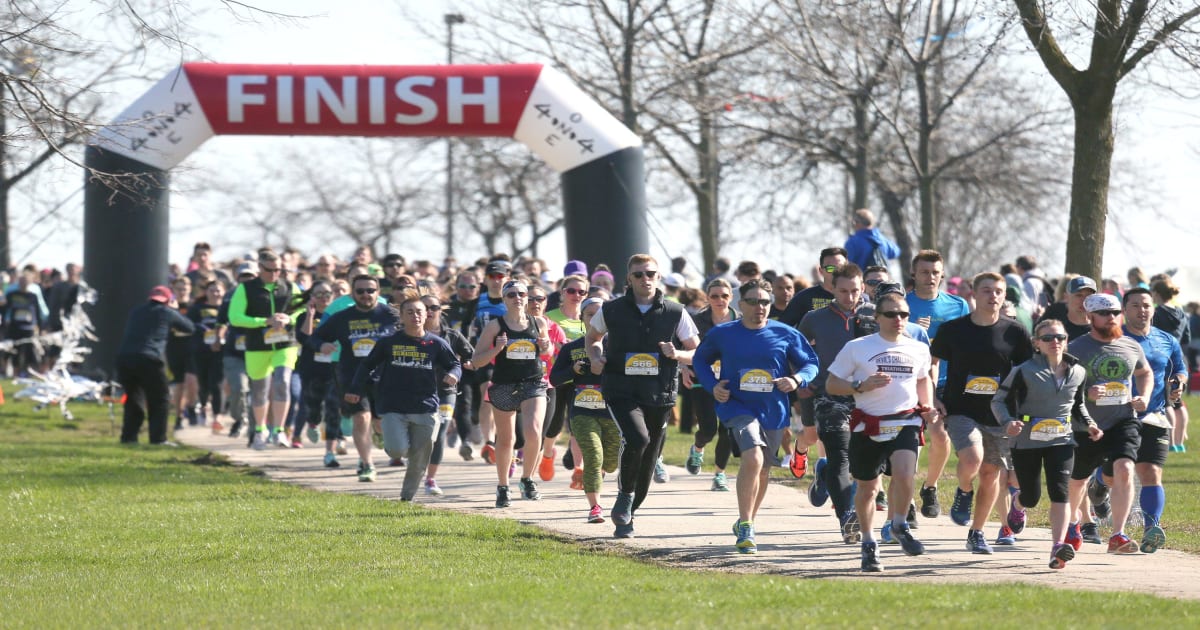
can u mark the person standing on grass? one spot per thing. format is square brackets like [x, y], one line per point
[761, 362]
[1041, 404]
[591, 423]
[414, 365]
[641, 382]
[140, 365]
[888, 375]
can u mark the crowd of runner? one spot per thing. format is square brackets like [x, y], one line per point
[1068, 386]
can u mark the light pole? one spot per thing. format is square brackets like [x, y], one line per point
[451, 19]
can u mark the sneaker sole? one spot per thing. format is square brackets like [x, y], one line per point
[1062, 556]
[1128, 548]
[597, 519]
[747, 549]
[852, 532]
[1153, 540]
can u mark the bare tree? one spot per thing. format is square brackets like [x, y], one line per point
[1123, 34]
[509, 197]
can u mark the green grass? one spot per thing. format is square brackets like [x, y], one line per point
[93, 534]
[1181, 480]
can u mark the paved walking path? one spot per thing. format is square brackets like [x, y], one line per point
[683, 523]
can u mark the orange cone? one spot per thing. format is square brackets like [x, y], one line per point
[1, 395]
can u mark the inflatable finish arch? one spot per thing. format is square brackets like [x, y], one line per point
[126, 235]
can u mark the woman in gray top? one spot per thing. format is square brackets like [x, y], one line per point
[1041, 404]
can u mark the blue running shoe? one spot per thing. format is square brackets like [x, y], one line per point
[1006, 538]
[622, 510]
[1153, 539]
[745, 537]
[885, 534]
[960, 510]
[911, 545]
[818, 494]
[977, 543]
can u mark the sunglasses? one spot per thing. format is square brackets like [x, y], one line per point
[393, 264]
[757, 301]
[830, 268]
[574, 291]
[323, 294]
[719, 296]
[269, 269]
[537, 298]
[515, 294]
[1108, 313]
[468, 286]
[649, 273]
[497, 276]
[1052, 338]
[433, 308]
[365, 291]
[894, 314]
[873, 282]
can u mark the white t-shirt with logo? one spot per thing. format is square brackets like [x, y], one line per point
[906, 360]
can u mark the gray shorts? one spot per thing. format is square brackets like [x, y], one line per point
[509, 396]
[965, 432]
[748, 433]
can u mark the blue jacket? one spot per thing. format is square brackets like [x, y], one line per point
[861, 243]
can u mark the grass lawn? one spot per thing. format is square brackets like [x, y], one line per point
[1181, 480]
[98, 535]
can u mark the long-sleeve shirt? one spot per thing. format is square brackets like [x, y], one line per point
[751, 359]
[410, 374]
[1051, 410]
[356, 332]
[147, 328]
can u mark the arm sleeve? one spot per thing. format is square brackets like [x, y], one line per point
[237, 311]
[449, 361]
[562, 371]
[181, 323]
[363, 372]
[801, 354]
[325, 333]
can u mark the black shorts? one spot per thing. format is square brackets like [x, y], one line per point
[1156, 443]
[808, 416]
[1121, 441]
[363, 405]
[869, 458]
[179, 362]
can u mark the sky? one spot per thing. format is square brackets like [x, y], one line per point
[1159, 135]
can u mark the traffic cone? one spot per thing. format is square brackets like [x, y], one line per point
[1, 395]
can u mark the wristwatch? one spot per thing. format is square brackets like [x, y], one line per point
[856, 385]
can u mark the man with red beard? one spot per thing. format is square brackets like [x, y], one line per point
[1112, 363]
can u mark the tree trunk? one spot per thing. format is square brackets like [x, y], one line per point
[924, 176]
[1089, 182]
[706, 189]
[5, 253]
[862, 163]
[893, 206]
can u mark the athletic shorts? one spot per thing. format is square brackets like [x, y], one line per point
[261, 363]
[746, 432]
[1121, 441]
[997, 445]
[808, 417]
[509, 396]
[363, 405]
[869, 458]
[1156, 443]
[832, 413]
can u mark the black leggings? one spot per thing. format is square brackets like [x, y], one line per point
[1058, 461]
[687, 409]
[210, 372]
[558, 400]
[837, 469]
[709, 426]
[643, 429]
[466, 411]
[319, 395]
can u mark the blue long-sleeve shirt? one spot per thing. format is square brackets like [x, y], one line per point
[1165, 357]
[861, 243]
[751, 359]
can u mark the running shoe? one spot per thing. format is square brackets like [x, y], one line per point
[488, 453]
[851, 530]
[1061, 555]
[960, 510]
[341, 449]
[660, 472]
[1074, 537]
[870, 558]
[881, 504]
[502, 500]
[596, 514]
[977, 543]
[622, 509]
[398, 462]
[930, 507]
[432, 487]
[1091, 533]
[1016, 518]
[217, 427]
[313, 433]
[546, 466]
[1153, 539]
[577, 479]
[331, 461]
[745, 537]
[885, 534]
[568, 460]
[799, 463]
[1122, 545]
[236, 429]
[695, 460]
[818, 494]
[1006, 538]
[259, 441]
[281, 439]
[1099, 495]
[720, 483]
[465, 452]
[529, 489]
[908, 543]
[297, 444]
[366, 472]
[911, 517]
[623, 531]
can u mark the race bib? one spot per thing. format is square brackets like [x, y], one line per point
[716, 368]
[210, 337]
[641, 364]
[363, 347]
[982, 385]
[1048, 429]
[323, 358]
[1115, 393]
[589, 397]
[756, 380]
[889, 430]
[446, 412]
[275, 335]
[239, 343]
[23, 316]
[521, 349]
